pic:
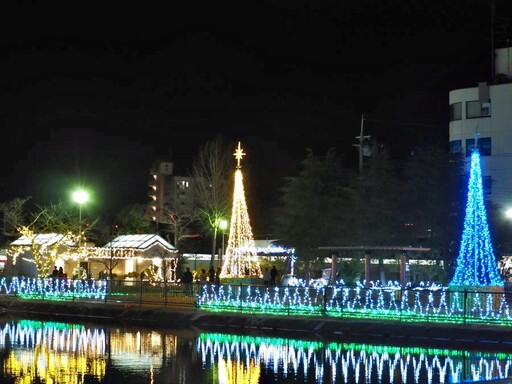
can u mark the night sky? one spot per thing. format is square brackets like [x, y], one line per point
[92, 92]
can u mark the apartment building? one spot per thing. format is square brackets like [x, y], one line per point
[168, 193]
[483, 115]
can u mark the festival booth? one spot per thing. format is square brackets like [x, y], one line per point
[129, 257]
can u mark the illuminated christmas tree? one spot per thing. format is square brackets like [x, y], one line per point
[476, 263]
[241, 257]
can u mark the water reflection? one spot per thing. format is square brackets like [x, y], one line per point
[315, 362]
[50, 352]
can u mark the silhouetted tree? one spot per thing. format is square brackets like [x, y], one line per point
[212, 174]
[378, 218]
[433, 200]
[317, 207]
[133, 220]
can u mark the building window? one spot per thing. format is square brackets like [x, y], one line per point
[487, 185]
[476, 109]
[486, 109]
[484, 146]
[456, 111]
[470, 145]
[456, 146]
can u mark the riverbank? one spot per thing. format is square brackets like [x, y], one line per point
[308, 327]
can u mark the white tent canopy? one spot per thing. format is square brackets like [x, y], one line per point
[140, 242]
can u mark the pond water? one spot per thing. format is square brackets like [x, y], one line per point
[53, 352]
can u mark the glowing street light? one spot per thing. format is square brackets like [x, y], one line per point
[80, 197]
[223, 224]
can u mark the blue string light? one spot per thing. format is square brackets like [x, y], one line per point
[476, 263]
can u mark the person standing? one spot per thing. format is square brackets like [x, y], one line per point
[273, 275]
[202, 277]
[186, 280]
[211, 274]
[266, 276]
[217, 275]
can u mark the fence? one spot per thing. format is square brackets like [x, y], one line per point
[483, 305]
[119, 291]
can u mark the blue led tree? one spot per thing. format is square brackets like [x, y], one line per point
[476, 263]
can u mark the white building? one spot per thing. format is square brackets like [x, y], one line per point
[125, 255]
[168, 192]
[485, 112]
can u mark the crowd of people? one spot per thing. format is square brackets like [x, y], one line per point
[59, 273]
[270, 276]
[212, 276]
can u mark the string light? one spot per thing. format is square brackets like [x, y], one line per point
[389, 302]
[476, 263]
[330, 360]
[51, 352]
[241, 259]
[44, 248]
[53, 289]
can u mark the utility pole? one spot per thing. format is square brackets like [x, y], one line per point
[361, 138]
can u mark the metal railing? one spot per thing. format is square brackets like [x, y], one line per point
[483, 305]
[119, 291]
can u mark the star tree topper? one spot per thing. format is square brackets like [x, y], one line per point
[239, 153]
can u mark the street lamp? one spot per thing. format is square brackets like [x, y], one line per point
[223, 224]
[80, 197]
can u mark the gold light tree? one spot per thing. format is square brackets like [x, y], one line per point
[241, 257]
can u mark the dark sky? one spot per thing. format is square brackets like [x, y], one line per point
[91, 92]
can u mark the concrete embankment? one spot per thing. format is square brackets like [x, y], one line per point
[424, 334]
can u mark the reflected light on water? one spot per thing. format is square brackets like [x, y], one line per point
[51, 352]
[61, 353]
[349, 362]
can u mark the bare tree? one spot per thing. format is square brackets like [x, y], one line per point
[59, 219]
[167, 268]
[14, 215]
[181, 221]
[211, 186]
[110, 262]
